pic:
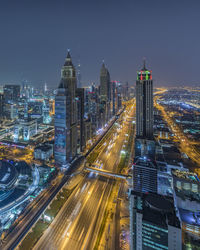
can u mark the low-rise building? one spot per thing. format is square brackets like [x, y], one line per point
[43, 152]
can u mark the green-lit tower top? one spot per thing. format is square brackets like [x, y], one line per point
[144, 74]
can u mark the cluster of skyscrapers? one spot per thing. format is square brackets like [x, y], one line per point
[76, 114]
[80, 113]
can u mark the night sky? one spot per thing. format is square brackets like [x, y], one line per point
[35, 36]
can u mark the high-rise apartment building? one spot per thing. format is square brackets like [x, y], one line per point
[144, 104]
[65, 147]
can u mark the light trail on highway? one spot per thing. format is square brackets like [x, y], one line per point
[75, 225]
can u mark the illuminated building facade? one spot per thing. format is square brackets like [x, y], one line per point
[145, 176]
[105, 90]
[187, 195]
[11, 93]
[153, 223]
[1, 106]
[45, 112]
[11, 111]
[80, 119]
[144, 104]
[144, 142]
[65, 146]
[25, 129]
[105, 95]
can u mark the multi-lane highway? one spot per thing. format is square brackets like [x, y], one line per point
[33, 212]
[74, 222]
[76, 227]
[35, 209]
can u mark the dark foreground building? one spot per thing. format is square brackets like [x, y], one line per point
[153, 223]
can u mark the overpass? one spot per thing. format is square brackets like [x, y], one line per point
[107, 173]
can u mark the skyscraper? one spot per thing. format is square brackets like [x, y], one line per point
[105, 94]
[1, 106]
[113, 84]
[65, 147]
[80, 118]
[11, 93]
[144, 104]
[79, 75]
[105, 90]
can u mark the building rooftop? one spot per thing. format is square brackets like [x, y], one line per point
[190, 217]
[158, 209]
[8, 174]
[44, 148]
[189, 176]
[144, 161]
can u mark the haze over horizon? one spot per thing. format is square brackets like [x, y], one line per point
[35, 36]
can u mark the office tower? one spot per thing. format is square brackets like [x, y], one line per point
[145, 175]
[88, 129]
[105, 92]
[2, 101]
[119, 95]
[45, 88]
[65, 146]
[26, 110]
[144, 142]
[79, 84]
[113, 96]
[11, 111]
[144, 104]
[26, 89]
[153, 223]
[11, 93]
[92, 103]
[80, 118]
[46, 112]
[105, 95]
[127, 92]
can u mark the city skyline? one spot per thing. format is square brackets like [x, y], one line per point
[43, 33]
[99, 125]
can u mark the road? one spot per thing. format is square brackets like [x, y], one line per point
[33, 212]
[38, 206]
[184, 143]
[71, 226]
[76, 225]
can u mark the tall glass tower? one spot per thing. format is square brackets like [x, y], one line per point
[65, 146]
[105, 94]
[144, 104]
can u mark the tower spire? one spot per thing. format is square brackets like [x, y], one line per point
[144, 64]
[68, 60]
[68, 53]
